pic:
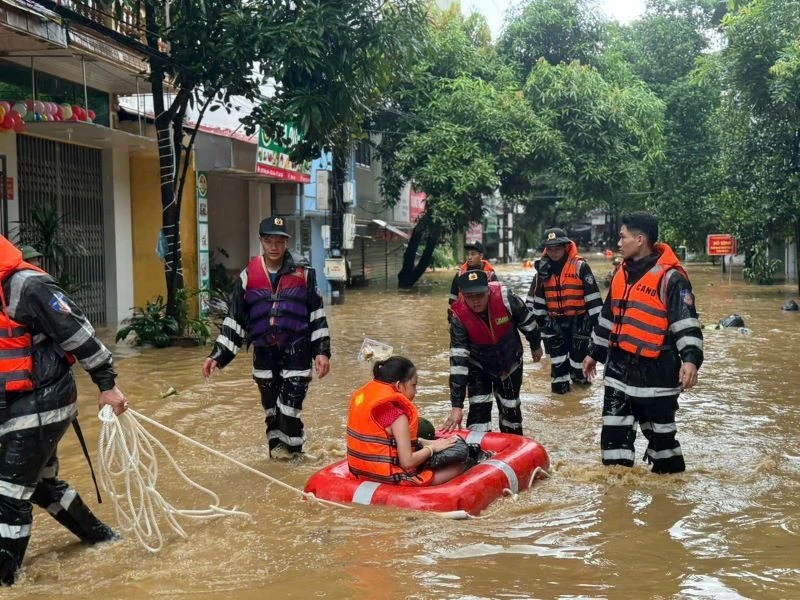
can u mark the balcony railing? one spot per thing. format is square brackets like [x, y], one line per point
[113, 14]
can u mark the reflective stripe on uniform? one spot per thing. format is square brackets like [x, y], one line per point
[459, 370]
[262, 373]
[641, 392]
[681, 343]
[14, 490]
[223, 340]
[459, 352]
[619, 454]
[43, 418]
[480, 399]
[317, 314]
[319, 333]
[289, 411]
[95, 360]
[78, 338]
[289, 441]
[14, 532]
[285, 373]
[662, 454]
[659, 427]
[618, 421]
[684, 324]
[237, 329]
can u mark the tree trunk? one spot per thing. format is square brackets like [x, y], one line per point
[410, 273]
[168, 154]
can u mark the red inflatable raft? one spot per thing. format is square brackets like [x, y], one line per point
[516, 462]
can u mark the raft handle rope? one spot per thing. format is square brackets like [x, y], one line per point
[127, 450]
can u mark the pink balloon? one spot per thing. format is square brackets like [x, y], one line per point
[92, 114]
[29, 104]
[59, 111]
[6, 105]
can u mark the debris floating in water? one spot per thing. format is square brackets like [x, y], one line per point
[374, 350]
[171, 391]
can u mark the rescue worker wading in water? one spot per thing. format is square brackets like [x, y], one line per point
[42, 332]
[650, 339]
[566, 301]
[475, 261]
[486, 353]
[277, 307]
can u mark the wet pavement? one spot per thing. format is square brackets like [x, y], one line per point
[727, 528]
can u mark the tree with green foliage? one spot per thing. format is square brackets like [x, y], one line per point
[667, 49]
[761, 112]
[557, 31]
[611, 134]
[458, 128]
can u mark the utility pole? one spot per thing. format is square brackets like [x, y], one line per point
[339, 175]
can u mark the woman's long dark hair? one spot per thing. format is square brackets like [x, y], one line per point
[394, 369]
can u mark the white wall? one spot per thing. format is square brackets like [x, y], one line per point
[117, 234]
[258, 206]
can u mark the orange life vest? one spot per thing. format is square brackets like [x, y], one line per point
[16, 352]
[640, 314]
[371, 452]
[485, 266]
[564, 293]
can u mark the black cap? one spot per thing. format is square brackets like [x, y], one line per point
[556, 237]
[477, 246]
[273, 226]
[473, 282]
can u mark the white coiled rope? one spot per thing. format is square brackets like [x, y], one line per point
[127, 453]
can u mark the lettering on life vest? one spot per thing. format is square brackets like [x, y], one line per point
[646, 289]
[501, 320]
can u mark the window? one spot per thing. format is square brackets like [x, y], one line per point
[364, 153]
[15, 86]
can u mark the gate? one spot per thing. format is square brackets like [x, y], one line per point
[67, 178]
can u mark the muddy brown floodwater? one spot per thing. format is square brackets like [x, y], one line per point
[727, 528]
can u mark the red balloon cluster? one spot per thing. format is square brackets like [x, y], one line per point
[15, 115]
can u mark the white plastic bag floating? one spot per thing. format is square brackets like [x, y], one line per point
[374, 350]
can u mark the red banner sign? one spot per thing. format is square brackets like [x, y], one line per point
[720, 244]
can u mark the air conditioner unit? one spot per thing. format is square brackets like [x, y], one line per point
[347, 195]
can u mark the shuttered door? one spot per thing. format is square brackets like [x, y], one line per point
[70, 177]
[382, 261]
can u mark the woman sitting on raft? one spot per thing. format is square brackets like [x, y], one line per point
[382, 428]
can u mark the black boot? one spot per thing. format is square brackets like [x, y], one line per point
[77, 518]
[82, 522]
[8, 567]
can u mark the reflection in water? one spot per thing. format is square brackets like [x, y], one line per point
[727, 528]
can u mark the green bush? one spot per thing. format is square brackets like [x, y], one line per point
[762, 268]
[442, 258]
[150, 324]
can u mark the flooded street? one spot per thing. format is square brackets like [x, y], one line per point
[727, 528]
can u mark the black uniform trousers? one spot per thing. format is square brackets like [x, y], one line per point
[283, 374]
[645, 392]
[567, 348]
[29, 475]
[482, 388]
